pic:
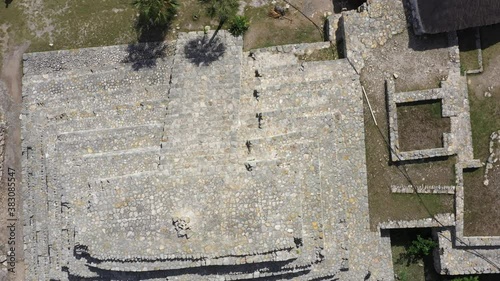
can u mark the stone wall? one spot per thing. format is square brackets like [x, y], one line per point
[2, 148]
[296, 49]
[438, 220]
[426, 189]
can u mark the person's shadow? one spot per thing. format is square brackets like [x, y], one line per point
[7, 3]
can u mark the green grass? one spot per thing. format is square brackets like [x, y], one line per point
[330, 53]
[469, 61]
[468, 51]
[82, 23]
[485, 118]
[385, 205]
[490, 38]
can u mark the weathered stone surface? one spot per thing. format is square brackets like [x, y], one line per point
[182, 166]
[150, 162]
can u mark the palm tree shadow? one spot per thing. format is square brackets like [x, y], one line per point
[200, 51]
[150, 44]
[145, 54]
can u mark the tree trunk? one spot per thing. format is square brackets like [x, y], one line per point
[221, 23]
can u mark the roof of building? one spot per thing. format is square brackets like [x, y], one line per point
[432, 16]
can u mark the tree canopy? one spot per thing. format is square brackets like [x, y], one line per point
[155, 13]
[222, 9]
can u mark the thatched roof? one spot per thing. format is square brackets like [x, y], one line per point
[436, 16]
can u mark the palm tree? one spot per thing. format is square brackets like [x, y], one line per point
[155, 13]
[223, 10]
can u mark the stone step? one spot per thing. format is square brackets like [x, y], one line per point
[220, 95]
[105, 140]
[54, 218]
[307, 154]
[142, 96]
[172, 191]
[68, 89]
[275, 147]
[189, 123]
[200, 107]
[113, 118]
[307, 71]
[289, 96]
[115, 163]
[254, 261]
[201, 144]
[281, 122]
[35, 198]
[268, 59]
[57, 62]
[195, 164]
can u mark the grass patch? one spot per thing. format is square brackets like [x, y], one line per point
[192, 16]
[468, 52]
[485, 118]
[329, 53]
[89, 23]
[385, 205]
[73, 24]
[490, 39]
[481, 217]
[421, 125]
[265, 31]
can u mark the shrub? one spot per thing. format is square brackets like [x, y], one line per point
[239, 25]
[421, 247]
[155, 13]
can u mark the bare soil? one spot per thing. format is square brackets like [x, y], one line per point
[10, 105]
[421, 126]
[420, 64]
[304, 25]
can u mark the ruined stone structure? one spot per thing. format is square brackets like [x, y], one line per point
[144, 162]
[182, 170]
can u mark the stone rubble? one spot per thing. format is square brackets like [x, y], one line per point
[494, 150]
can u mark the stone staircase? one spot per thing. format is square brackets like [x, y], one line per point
[91, 112]
[115, 155]
[297, 103]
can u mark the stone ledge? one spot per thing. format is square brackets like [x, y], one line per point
[439, 220]
[427, 189]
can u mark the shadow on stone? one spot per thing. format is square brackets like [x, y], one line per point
[145, 55]
[200, 51]
[212, 270]
[150, 44]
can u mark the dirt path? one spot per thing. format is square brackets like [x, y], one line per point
[10, 105]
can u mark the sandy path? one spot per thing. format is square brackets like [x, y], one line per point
[10, 105]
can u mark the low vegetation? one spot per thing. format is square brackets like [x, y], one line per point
[421, 126]
[266, 31]
[469, 52]
[239, 25]
[330, 53]
[482, 217]
[412, 255]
